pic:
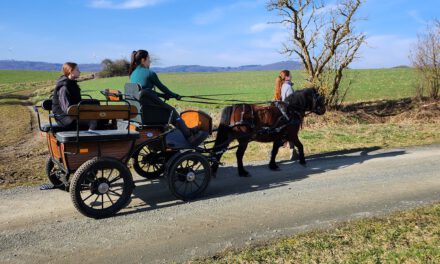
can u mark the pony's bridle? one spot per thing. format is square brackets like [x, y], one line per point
[315, 108]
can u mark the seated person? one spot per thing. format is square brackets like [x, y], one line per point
[141, 74]
[67, 93]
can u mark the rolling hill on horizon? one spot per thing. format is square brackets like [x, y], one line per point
[46, 66]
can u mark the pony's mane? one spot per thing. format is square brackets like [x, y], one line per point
[298, 99]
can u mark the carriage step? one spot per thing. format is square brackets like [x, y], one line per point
[47, 186]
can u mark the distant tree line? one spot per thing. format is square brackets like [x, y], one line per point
[114, 68]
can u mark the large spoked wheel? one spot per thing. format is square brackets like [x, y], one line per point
[147, 162]
[188, 175]
[101, 187]
[51, 173]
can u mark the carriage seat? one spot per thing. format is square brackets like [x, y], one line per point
[54, 128]
[98, 112]
[95, 136]
[151, 114]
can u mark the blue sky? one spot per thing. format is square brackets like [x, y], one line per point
[176, 32]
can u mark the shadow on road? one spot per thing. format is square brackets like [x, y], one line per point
[155, 194]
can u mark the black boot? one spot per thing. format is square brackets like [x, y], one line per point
[193, 135]
[180, 124]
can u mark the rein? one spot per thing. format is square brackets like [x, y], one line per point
[206, 100]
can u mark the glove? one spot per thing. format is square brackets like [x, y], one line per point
[178, 97]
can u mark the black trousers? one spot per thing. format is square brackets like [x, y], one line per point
[148, 97]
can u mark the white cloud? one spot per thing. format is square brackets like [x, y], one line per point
[383, 51]
[414, 14]
[260, 27]
[273, 41]
[123, 4]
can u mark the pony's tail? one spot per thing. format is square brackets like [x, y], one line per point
[225, 118]
[223, 129]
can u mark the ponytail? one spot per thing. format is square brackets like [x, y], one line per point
[278, 83]
[132, 63]
[136, 59]
[277, 94]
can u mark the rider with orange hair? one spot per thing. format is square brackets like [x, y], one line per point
[282, 79]
[283, 88]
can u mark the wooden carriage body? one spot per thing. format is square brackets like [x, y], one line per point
[70, 149]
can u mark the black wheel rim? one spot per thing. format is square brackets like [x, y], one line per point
[189, 178]
[51, 170]
[148, 163]
[102, 189]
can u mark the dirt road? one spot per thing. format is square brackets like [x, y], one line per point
[42, 226]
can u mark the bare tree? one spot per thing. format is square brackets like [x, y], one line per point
[323, 37]
[425, 58]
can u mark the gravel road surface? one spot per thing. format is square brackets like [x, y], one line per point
[43, 226]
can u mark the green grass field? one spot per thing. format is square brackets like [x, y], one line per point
[12, 76]
[366, 85]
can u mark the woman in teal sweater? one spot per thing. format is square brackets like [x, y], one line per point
[141, 74]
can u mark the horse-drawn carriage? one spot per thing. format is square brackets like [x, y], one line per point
[92, 165]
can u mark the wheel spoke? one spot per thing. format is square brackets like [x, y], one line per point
[108, 196]
[97, 197]
[181, 174]
[195, 182]
[115, 179]
[102, 202]
[85, 187]
[111, 171]
[115, 193]
[177, 189]
[186, 186]
[190, 187]
[200, 164]
[88, 197]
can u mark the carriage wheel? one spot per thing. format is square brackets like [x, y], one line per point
[147, 162]
[51, 173]
[101, 187]
[188, 175]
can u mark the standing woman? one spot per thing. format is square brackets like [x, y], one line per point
[141, 74]
[67, 93]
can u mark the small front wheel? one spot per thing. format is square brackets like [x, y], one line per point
[101, 187]
[188, 175]
[148, 162]
[52, 171]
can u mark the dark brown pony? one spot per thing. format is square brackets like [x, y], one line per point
[247, 122]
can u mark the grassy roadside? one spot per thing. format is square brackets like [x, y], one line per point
[22, 151]
[411, 236]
